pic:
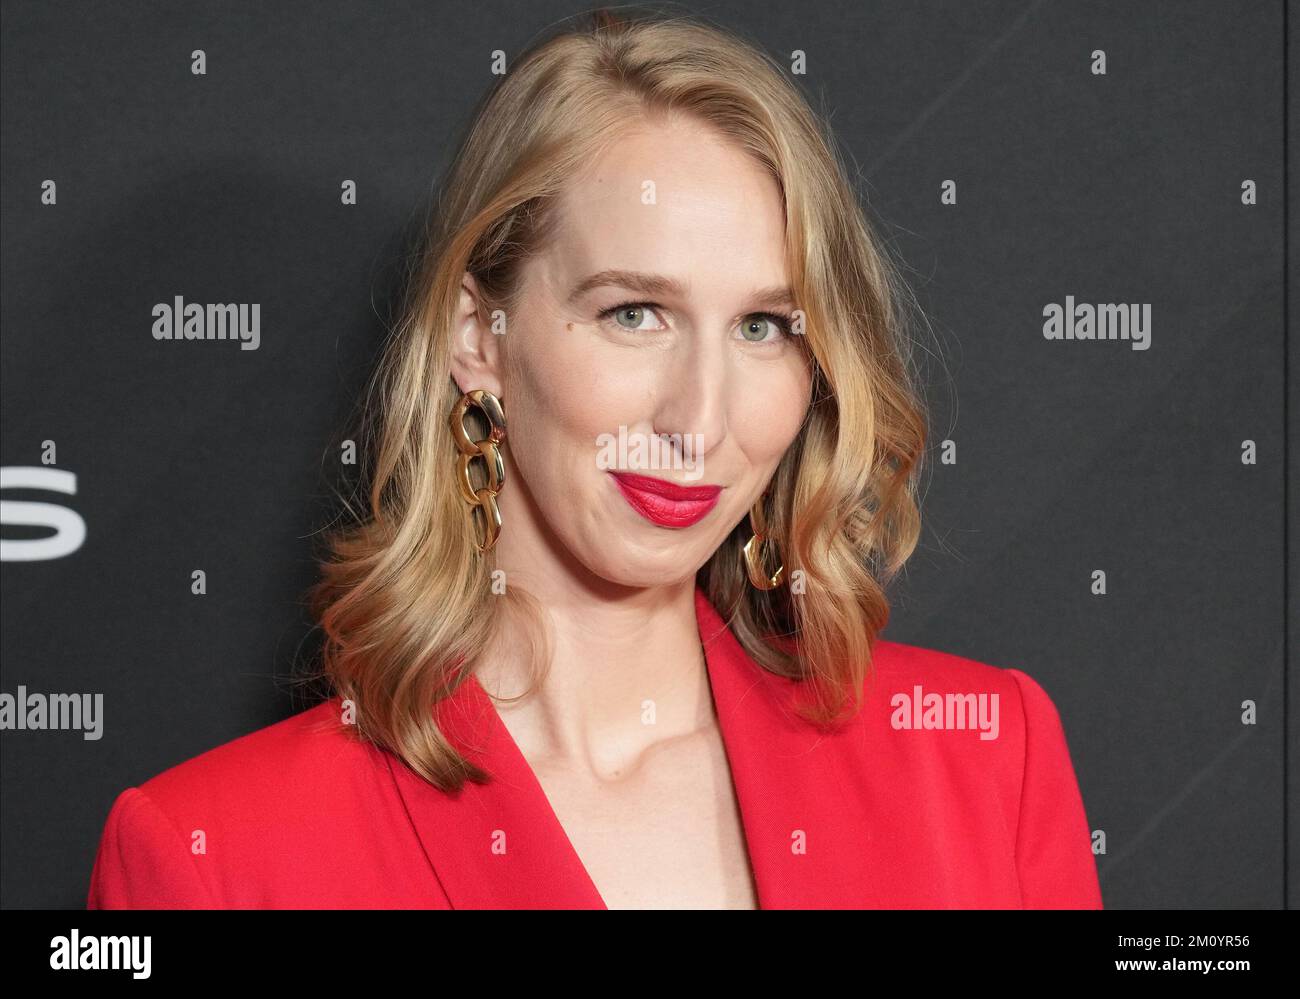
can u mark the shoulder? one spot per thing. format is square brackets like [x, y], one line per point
[307, 753]
[997, 720]
[984, 748]
[896, 665]
[898, 658]
[174, 839]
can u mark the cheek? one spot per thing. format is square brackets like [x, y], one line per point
[562, 400]
[766, 417]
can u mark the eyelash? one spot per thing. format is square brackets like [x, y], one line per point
[783, 321]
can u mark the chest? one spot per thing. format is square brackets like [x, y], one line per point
[668, 835]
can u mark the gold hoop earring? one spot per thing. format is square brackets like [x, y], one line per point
[485, 498]
[754, 551]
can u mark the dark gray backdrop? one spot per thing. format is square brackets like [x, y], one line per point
[1071, 456]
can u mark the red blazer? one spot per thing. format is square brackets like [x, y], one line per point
[884, 813]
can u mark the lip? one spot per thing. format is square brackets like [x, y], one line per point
[666, 503]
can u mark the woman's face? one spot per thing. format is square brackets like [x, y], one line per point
[648, 342]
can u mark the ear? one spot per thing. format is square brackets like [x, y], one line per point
[475, 349]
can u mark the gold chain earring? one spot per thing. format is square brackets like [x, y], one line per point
[754, 550]
[485, 498]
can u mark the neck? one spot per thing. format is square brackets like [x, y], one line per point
[625, 672]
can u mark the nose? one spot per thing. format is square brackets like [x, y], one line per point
[692, 404]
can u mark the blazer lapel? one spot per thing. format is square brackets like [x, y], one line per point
[497, 845]
[500, 844]
[799, 788]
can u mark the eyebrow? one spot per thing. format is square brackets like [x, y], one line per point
[657, 284]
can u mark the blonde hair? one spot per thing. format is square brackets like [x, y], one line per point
[404, 599]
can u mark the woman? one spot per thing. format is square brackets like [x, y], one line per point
[607, 637]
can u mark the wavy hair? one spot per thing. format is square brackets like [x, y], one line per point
[404, 599]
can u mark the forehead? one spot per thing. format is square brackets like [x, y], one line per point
[674, 198]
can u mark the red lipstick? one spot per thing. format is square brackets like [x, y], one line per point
[666, 503]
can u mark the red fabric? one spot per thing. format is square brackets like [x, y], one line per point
[301, 815]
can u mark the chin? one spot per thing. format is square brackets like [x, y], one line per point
[637, 567]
